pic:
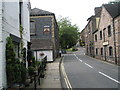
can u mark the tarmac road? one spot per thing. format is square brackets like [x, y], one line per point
[85, 72]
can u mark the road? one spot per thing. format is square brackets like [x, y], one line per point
[86, 72]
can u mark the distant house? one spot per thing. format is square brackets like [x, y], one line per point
[91, 27]
[82, 38]
[13, 15]
[44, 34]
[106, 39]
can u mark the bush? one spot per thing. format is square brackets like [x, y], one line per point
[16, 71]
[31, 70]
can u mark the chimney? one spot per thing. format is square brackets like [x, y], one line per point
[97, 11]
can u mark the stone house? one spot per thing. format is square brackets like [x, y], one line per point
[12, 16]
[106, 38]
[44, 34]
[90, 28]
[82, 38]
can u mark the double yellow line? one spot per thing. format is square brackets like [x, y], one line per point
[65, 76]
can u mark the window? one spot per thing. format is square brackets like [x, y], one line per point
[110, 51]
[104, 32]
[101, 51]
[32, 27]
[96, 38]
[109, 31]
[96, 51]
[16, 49]
[100, 35]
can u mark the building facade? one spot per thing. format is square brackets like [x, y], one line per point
[82, 38]
[102, 32]
[106, 38]
[12, 16]
[90, 28]
[44, 34]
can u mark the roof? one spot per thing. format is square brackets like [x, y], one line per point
[113, 9]
[39, 12]
[41, 44]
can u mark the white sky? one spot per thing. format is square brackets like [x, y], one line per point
[77, 10]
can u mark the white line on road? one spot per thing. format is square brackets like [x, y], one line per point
[88, 65]
[80, 60]
[109, 77]
[100, 72]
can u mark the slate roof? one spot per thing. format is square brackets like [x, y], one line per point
[41, 44]
[39, 12]
[113, 9]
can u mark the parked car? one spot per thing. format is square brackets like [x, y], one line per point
[63, 52]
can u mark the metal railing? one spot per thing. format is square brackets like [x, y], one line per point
[40, 73]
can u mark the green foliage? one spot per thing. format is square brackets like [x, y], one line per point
[68, 33]
[10, 59]
[114, 2]
[31, 70]
[21, 36]
[16, 71]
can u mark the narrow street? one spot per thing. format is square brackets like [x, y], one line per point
[86, 72]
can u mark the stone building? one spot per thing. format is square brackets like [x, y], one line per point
[44, 34]
[82, 38]
[106, 38]
[12, 16]
[90, 28]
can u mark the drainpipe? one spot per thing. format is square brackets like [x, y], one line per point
[104, 46]
[114, 41]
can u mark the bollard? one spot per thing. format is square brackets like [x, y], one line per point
[35, 84]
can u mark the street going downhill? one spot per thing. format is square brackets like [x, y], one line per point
[86, 72]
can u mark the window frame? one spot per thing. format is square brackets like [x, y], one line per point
[96, 37]
[96, 51]
[110, 51]
[101, 35]
[109, 31]
[101, 51]
[33, 33]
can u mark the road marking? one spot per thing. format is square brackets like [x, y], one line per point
[109, 77]
[80, 60]
[77, 58]
[88, 65]
[65, 77]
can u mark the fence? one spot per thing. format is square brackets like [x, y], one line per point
[41, 73]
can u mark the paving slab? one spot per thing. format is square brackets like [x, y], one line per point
[52, 76]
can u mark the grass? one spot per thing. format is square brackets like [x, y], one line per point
[70, 49]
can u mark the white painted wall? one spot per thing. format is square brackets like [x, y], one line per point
[26, 23]
[26, 20]
[48, 53]
[9, 24]
[11, 18]
[1, 46]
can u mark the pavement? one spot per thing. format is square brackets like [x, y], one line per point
[52, 76]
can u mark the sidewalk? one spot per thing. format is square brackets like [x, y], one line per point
[52, 76]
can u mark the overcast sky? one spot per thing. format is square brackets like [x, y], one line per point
[77, 10]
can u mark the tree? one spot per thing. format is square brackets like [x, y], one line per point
[114, 1]
[68, 33]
